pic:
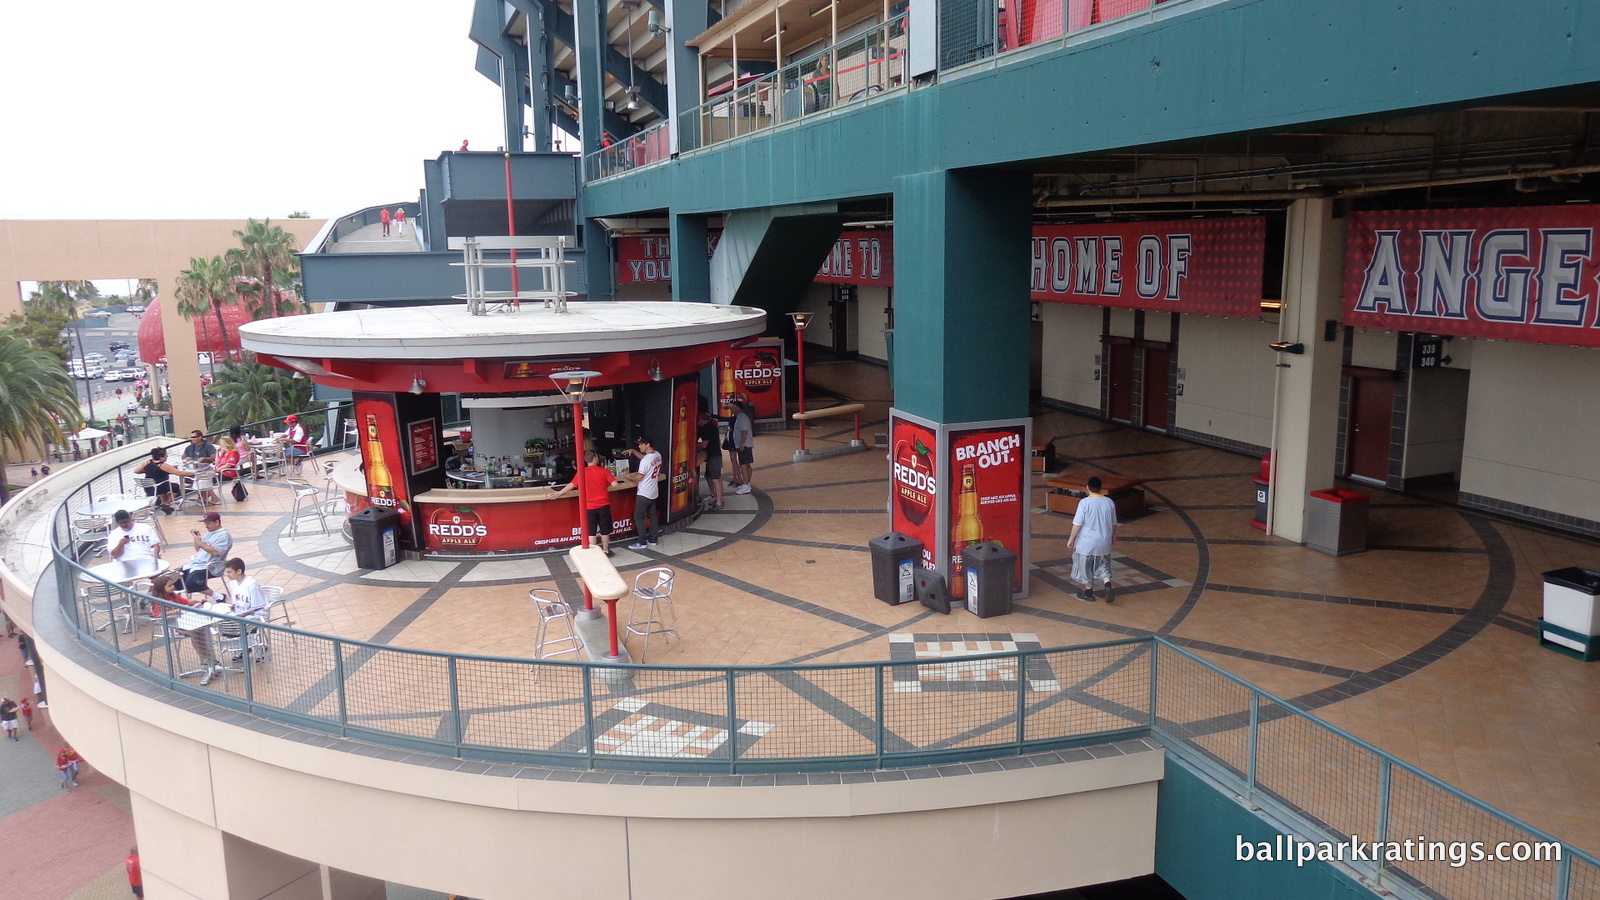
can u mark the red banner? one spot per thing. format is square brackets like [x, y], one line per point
[381, 456]
[988, 495]
[753, 373]
[643, 259]
[681, 466]
[913, 485]
[533, 524]
[1209, 267]
[1516, 273]
[860, 257]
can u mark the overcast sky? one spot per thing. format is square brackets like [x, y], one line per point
[221, 109]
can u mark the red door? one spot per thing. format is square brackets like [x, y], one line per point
[1119, 400]
[1157, 388]
[1370, 418]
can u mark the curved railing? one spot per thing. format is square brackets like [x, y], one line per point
[1311, 778]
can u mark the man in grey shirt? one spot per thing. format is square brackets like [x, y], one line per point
[1094, 528]
[210, 554]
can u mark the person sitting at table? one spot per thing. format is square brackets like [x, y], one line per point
[244, 597]
[210, 554]
[130, 541]
[160, 473]
[597, 481]
[227, 458]
[200, 451]
[296, 442]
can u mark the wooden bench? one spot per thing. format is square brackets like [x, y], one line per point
[1043, 455]
[1067, 488]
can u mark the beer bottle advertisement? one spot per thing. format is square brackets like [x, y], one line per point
[381, 456]
[681, 455]
[989, 495]
[913, 484]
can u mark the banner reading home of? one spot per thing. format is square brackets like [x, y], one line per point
[1528, 274]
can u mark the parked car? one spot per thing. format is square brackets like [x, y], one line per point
[89, 372]
[117, 345]
[128, 374]
[92, 358]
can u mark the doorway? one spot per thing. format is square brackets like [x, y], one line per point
[1157, 385]
[1368, 424]
[1119, 374]
[839, 317]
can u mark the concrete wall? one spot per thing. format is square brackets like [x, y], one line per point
[1532, 417]
[1373, 349]
[75, 250]
[1436, 422]
[1228, 388]
[1071, 343]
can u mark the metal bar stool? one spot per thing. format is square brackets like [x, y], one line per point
[654, 586]
[552, 608]
[306, 503]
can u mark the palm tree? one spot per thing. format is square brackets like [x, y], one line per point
[207, 286]
[250, 391]
[267, 256]
[36, 396]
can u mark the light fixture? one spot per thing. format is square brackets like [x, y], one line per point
[653, 23]
[801, 319]
[633, 99]
[1287, 347]
[418, 385]
[655, 370]
[572, 384]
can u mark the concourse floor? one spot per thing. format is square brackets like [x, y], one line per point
[1424, 645]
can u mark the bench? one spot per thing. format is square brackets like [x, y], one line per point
[1067, 488]
[1043, 454]
[597, 573]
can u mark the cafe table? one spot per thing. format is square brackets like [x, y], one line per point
[120, 572]
[107, 506]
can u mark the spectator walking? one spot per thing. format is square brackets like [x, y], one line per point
[135, 875]
[67, 760]
[8, 717]
[646, 518]
[708, 438]
[744, 445]
[383, 217]
[1094, 528]
[400, 220]
[26, 709]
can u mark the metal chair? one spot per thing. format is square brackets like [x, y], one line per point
[267, 459]
[551, 608]
[148, 516]
[101, 599]
[199, 488]
[305, 504]
[351, 434]
[654, 586]
[279, 612]
[89, 536]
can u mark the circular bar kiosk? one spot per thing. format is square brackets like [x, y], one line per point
[488, 489]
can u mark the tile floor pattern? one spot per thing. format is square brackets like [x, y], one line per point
[1423, 645]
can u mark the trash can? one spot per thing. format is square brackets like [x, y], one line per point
[1572, 612]
[1262, 483]
[895, 558]
[375, 532]
[989, 568]
[1336, 521]
[930, 590]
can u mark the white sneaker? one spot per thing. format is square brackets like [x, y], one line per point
[743, 489]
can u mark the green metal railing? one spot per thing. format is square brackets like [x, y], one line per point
[1317, 780]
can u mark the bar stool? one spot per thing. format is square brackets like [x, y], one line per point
[306, 497]
[654, 586]
[551, 608]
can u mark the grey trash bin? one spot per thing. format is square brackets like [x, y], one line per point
[1336, 521]
[1571, 621]
[989, 570]
[895, 558]
[375, 533]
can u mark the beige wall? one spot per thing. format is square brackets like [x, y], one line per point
[1373, 349]
[1228, 388]
[1533, 419]
[1436, 421]
[74, 250]
[1071, 343]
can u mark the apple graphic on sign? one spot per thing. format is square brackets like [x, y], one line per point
[759, 372]
[913, 480]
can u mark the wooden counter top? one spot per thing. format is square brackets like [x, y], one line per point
[480, 496]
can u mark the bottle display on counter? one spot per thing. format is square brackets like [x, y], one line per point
[682, 457]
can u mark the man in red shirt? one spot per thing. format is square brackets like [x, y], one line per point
[383, 217]
[597, 483]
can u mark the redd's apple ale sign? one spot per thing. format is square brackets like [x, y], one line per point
[914, 483]
[455, 527]
[753, 373]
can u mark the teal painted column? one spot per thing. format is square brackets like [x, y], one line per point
[686, 18]
[591, 73]
[691, 265]
[513, 95]
[597, 261]
[961, 307]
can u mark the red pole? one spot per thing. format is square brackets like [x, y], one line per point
[800, 359]
[858, 426]
[511, 229]
[583, 508]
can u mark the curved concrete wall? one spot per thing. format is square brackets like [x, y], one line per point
[230, 806]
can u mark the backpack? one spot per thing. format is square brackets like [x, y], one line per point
[239, 492]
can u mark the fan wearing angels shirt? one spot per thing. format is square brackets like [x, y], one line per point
[646, 511]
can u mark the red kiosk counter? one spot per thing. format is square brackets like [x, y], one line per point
[488, 491]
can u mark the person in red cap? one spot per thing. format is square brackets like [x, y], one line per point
[296, 441]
